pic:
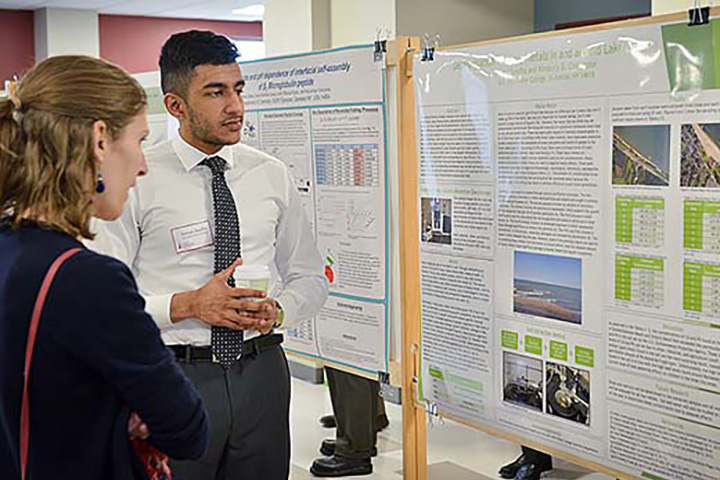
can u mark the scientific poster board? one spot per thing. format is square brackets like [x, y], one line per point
[160, 123]
[324, 115]
[569, 212]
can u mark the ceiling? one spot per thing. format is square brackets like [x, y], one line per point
[198, 9]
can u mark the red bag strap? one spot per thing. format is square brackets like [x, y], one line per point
[30, 347]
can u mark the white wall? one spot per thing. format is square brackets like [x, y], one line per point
[64, 31]
[462, 21]
[660, 7]
[287, 27]
[356, 22]
[296, 26]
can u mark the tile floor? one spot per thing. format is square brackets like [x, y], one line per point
[455, 452]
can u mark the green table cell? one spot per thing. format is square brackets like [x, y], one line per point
[649, 263]
[693, 240]
[711, 270]
[693, 224]
[693, 286]
[649, 203]
[711, 207]
[436, 373]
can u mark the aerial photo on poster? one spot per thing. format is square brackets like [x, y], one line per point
[641, 155]
[700, 155]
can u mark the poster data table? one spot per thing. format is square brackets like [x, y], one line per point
[348, 165]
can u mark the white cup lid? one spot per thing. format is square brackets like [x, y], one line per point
[252, 272]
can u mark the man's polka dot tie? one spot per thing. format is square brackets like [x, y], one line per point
[226, 343]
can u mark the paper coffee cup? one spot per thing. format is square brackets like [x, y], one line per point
[256, 277]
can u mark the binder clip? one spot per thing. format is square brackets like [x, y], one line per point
[427, 53]
[434, 418]
[698, 15]
[380, 45]
[383, 378]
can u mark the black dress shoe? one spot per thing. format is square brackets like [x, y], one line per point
[511, 469]
[532, 471]
[340, 467]
[327, 448]
[328, 421]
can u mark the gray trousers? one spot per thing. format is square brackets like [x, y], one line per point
[248, 405]
[535, 456]
[355, 405]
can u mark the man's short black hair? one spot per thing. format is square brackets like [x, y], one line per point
[184, 51]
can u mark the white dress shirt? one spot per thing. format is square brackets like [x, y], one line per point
[165, 233]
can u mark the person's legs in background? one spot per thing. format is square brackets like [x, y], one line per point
[355, 406]
[382, 421]
[328, 421]
[528, 466]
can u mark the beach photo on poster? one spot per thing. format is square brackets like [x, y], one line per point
[548, 286]
[641, 155]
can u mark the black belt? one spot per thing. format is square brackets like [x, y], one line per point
[254, 346]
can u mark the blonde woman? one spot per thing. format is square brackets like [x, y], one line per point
[70, 149]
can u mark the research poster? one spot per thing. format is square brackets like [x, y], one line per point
[323, 114]
[161, 125]
[569, 207]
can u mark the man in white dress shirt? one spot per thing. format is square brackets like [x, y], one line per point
[168, 237]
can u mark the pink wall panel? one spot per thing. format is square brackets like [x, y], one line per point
[17, 43]
[134, 42]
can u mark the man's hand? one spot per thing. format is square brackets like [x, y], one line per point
[137, 428]
[266, 313]
[217, 303]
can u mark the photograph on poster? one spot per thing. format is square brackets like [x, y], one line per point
[700, 155]
[548, 286]
[568, 392]
[523, 381]
[641, 155]
[436, 224]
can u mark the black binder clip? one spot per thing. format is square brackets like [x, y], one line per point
[380, 45]
[383, 378]
[699, 15]
[427, 53]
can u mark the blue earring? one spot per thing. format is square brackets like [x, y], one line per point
[100, 185]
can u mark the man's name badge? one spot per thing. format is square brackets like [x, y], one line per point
[194, 236]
